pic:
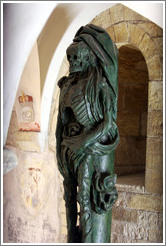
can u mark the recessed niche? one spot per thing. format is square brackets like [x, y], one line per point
[130, 155]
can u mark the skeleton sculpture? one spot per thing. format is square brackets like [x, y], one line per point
[87, 134]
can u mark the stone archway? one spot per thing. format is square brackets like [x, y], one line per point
[127, 27]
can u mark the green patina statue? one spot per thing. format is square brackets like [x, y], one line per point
[87, 134]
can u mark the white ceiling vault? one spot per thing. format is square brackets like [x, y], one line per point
[22, 25]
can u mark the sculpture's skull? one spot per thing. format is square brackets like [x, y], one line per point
[78, 55]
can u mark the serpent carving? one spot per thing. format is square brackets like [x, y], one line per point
[87, 134]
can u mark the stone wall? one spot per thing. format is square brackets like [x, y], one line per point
[31, 192]
[137, 217]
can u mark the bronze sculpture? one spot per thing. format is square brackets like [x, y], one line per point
[87, 134]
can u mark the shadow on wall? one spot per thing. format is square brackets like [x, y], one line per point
[130, 155]
[50, 38]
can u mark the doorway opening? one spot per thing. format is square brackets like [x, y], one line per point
[130, 155]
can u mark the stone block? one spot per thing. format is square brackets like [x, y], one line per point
[154, 236]
[155, 97]
[154, 68]
[129, 124]
[136, 34]
[103, 19]
[117, 13]
[143, 129]
[142, 233]
[151, 28]
[154, 181]
[134, 216]
[147, 219]
[142, 241]
[130, 232]
[160, 221]
[148, 47]
[159, 45]
[124, 215]
[114, 237]
[121, 32]
[111, 32]
[130, 15]
[117, 227]
[122, 239]
[145, 202]
[135, 98]
[154, 154]
[122, 200]
[155, 124]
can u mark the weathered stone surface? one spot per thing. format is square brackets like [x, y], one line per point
[121, 32]
[153, 181]
[154, 68]
[155, 123]
[117, 13]
[155, 95]
[117, 227]
[111, 32]
[148, 47]
[137, 224]
[128, 124]
[151, 28]
[159, 45]
[136, 34]
[147, 219]
[103, 20]
[155, 236]
[121, 214]
[154, 154]
[146, 202]
[130, 232]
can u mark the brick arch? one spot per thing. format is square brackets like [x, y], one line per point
[126, 27]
